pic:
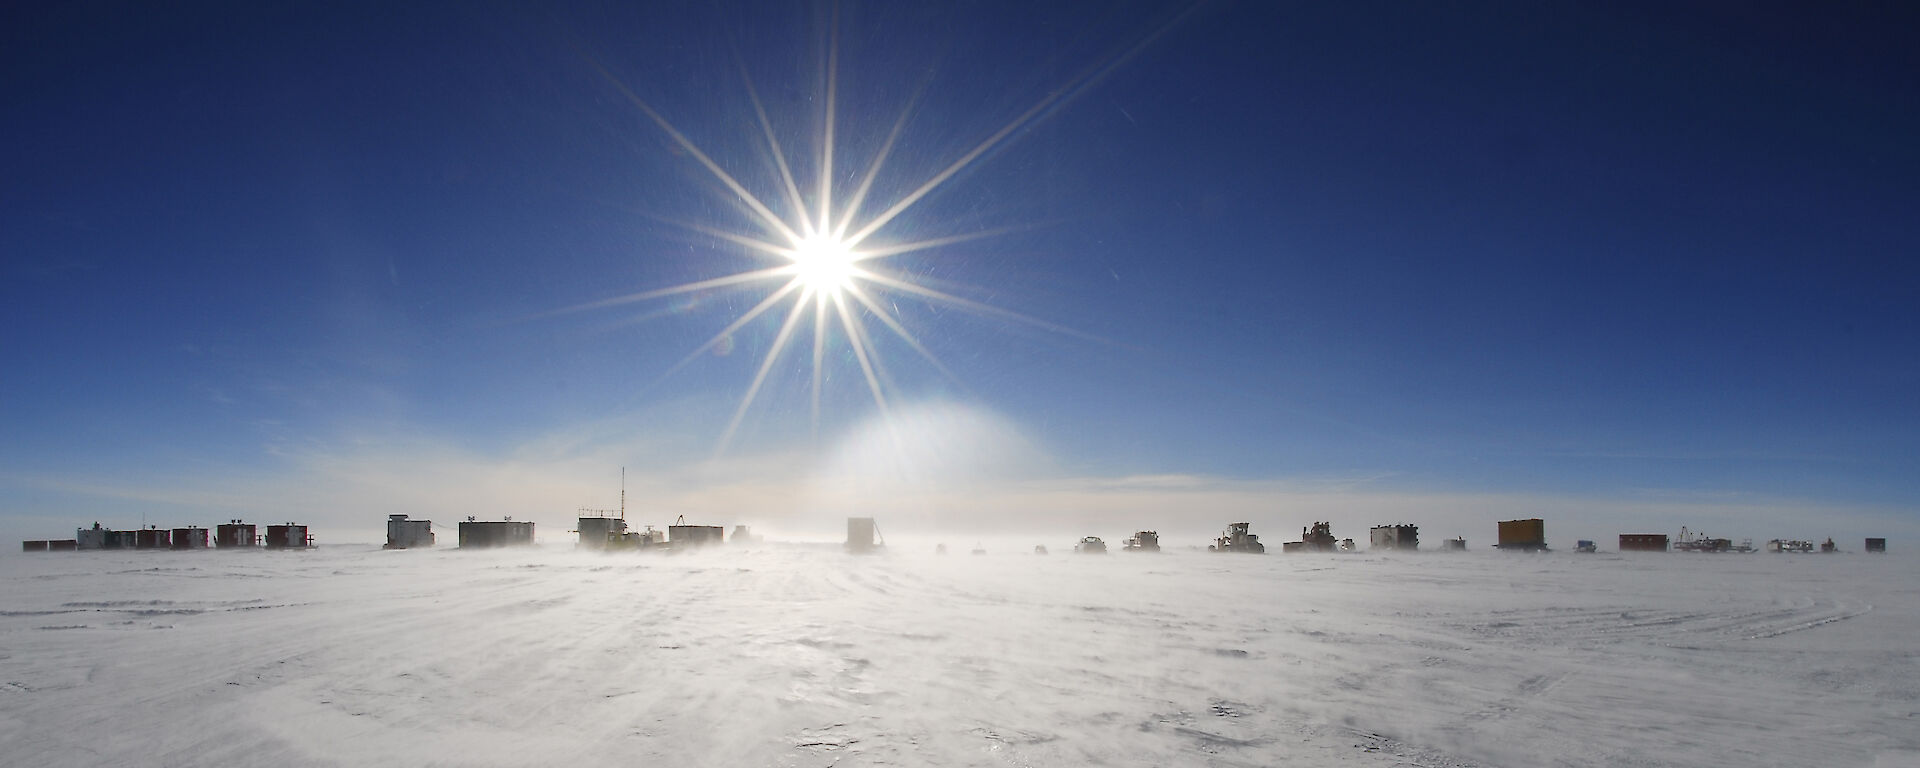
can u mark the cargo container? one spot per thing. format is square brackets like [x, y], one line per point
[599, 532]
[288, 536]
[861, 533]
[234, 534]
[190, 537]
[406, 534]
[63, 545]
[686, 536]
[483, 534]
[1528, 535]
[1643, 542]
[1877, 545]
[1401, 537]
[153, 538]
[34, 546]
[91, 538]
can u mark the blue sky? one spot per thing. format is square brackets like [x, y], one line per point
[1624, 267]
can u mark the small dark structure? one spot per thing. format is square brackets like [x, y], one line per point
[863, 535]
[1528, 535]
[682, 536]
[1455, 544]
[1586, 546]
[1828, 547]
[1143, 541]
[190, 537]
[1877, 546]
[234, 534]
[1400, 537]
[1237, 539]
[405, 534]
[1091, 545]
[34, 546]
[484, 534]
[288, 536]
[1643, 542]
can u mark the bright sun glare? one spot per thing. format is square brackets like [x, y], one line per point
[824, 265]
[820, 264]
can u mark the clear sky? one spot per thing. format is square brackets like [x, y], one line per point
[1624, 266]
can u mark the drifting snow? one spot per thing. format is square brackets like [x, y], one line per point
[798, 656]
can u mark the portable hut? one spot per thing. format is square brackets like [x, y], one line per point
[1455, 544]
[1529, 535]
[1399, 538]
[599, 532]
[484, 534]
[153, 538]
[406, 534]
[91, 538]
[234, 534]
[288, 536]
[190, 537]
[863, 535]
[1643, 542]
[683, 535]
[1877, 545]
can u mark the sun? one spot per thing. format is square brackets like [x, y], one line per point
[830, 249]
[824, 265]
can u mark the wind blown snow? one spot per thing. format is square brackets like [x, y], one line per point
[806, 656]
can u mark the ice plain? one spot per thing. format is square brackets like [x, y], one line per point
[797, 655]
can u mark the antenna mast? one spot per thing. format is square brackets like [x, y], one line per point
[623, 493]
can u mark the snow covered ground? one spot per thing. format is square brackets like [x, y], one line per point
[805, 656]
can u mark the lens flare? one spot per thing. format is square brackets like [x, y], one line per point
[829, 256]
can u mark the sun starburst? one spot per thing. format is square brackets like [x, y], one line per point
[826, 279]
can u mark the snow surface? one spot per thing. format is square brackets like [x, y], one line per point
[806, 656]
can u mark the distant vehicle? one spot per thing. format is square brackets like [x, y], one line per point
[1796, 545]
[979, 550]
[1237, 539]
[1695, 541]
[1039, 549]
[940, 549]
[1091, 545]
[1144, 541]
[1586, 546]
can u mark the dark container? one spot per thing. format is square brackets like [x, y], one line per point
[1643, 542]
